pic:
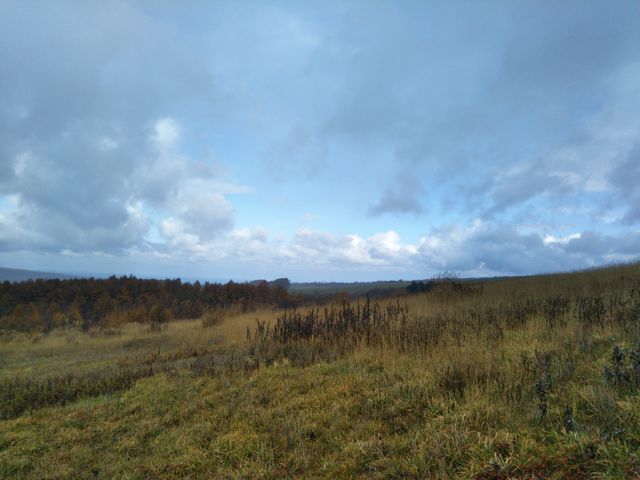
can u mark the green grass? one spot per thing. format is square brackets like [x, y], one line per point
[468, 405]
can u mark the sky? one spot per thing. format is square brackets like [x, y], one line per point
[333, 140]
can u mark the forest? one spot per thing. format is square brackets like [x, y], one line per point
[41, 305]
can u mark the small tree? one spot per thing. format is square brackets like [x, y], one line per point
[158, 316]
[281, 282]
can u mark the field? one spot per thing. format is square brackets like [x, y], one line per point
[324, 289]
[534, 377]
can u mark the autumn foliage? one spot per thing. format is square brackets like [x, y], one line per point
[41, 305]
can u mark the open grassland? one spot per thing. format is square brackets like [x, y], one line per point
[518, 378]
[324, 289]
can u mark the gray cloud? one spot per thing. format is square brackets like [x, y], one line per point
[411, 78]
[455, 103]
[301, 153]
[84, 94]
[626, 179]
[497, 249]
[485, 249]
[513, 188]
[405, 196]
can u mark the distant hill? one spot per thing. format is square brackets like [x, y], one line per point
[18, 275]
[354, 289]
[279, 282]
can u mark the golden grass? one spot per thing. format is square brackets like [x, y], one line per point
[69, 349]
[466, 407]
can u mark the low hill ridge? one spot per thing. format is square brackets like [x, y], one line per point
[19, 275]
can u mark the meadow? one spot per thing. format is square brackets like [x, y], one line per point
[529, 377]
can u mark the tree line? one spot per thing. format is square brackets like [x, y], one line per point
[40, 305]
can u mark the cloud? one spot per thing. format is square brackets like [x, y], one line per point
[590, 168]
[601, 248]
[204, 213]
[306, 248]
[626, 180]
[546, 88]
[301, 153]
[340, 251]
[522, 183]
[90, 143]
[119, 125]
[405, 196]
[488, 249]
[551, 240]
[477, 249]
[92, 207]
[165, 137]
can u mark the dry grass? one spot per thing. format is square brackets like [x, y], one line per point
[514, 387]
[69, 349]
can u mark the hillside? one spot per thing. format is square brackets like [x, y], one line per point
[532, 377]
[321, 289]
[19, 275]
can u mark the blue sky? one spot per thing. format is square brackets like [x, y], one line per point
[319, 140]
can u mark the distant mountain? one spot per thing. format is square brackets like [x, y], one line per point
[17, 275]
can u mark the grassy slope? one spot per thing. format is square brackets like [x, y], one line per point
[353, 288]
[464, 408]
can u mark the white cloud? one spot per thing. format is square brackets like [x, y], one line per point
[478, 249]
[107, 143]
[204, 213]
[551, 240]
[78, 208]
[166, 135]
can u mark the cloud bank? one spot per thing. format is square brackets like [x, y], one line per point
[407, 139]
